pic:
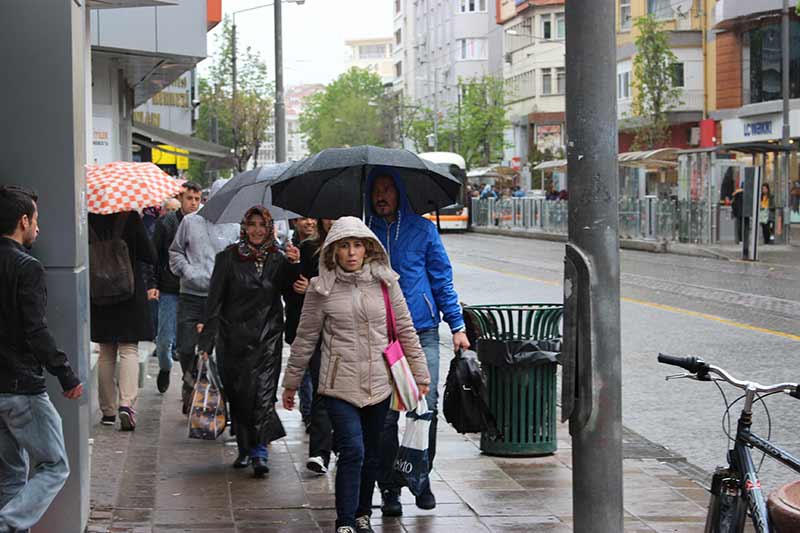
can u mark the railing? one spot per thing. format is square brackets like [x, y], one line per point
[639, 218]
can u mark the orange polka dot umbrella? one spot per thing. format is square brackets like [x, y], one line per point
[124, 186]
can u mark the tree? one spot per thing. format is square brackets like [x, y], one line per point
[655, 94]
[480, 120]
[240, 123]
[350, 111]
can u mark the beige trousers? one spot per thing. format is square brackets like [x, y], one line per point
[128, 376]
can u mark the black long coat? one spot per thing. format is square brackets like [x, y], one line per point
[127, 321]
[244, 320]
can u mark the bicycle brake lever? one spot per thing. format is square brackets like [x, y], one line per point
[685, 375]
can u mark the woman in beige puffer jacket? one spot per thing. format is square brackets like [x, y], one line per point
[345, 305]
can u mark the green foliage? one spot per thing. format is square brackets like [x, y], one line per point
[480, 120]
[351, 111]
[653, 83]
[240, 124]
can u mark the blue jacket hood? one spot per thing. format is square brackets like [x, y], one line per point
[403, 205]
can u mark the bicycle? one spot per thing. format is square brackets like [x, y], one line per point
[736, 489]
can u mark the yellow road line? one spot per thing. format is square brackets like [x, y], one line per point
[653, 305]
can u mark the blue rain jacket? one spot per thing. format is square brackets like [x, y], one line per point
[417, 254]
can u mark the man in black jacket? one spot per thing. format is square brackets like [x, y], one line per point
[30, 427]
[168, 284]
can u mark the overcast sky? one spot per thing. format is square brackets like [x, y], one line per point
[313, 34]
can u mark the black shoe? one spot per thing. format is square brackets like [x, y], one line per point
[363, 525]
[127, 419]
[426, 500]
[243, 461]
[162, 382]
[108, 420]
[260, 467]
[390, 503]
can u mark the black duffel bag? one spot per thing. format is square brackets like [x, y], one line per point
[466, 405]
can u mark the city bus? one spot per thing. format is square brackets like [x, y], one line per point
[453, 217]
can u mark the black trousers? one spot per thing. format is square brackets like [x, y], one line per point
[766, 232]
[320, 435]
[191, 311]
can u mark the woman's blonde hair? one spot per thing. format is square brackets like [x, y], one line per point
[373, 252]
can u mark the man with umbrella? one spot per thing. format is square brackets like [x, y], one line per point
[426, 277]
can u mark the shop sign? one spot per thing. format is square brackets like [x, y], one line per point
[763, 127]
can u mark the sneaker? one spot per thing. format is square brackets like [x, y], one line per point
[345, 529]
[390, 503]
[316, 465]
[162, 382]
[363, 525]
[109, 420]
[127, 419]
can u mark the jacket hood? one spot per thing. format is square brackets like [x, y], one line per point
[403, 206]
[352, 227]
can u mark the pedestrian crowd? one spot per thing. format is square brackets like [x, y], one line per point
[338, 291]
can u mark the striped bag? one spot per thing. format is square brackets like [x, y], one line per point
[405, 393]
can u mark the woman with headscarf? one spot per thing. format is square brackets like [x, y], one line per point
[244, 322]
[345, 308]
[318, 425]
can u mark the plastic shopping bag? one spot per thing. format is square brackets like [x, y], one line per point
[207, 416]
[411, 464]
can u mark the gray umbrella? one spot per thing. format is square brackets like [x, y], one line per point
[242, 192]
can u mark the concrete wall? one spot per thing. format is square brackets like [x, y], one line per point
[46, 150]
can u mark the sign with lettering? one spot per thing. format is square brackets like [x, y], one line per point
[763, 127]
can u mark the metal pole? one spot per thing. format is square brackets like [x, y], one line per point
[785, 183]
[435, 108]
[280, 110]
[592, 379]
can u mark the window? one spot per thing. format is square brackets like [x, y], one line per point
[547, 27]
[625, 14]
[561, 80]
[547, 81]
[561, 27]
[661, 9]
[472, 49]
[472, 6]
[398, 69]
[623, 85]
[677, 75]
[398, 4]
[371, 51]
[398, 37]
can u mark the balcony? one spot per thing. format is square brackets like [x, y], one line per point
[729, 13]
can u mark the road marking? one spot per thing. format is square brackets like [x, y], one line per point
[653, 305]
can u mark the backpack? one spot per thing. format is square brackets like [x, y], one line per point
[466, 405]
[111, 278]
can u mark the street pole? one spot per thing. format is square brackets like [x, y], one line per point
[435, 109]
[785, 184]
[280, 110]
[592, 393]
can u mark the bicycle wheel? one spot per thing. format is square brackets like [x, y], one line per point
[727, 509]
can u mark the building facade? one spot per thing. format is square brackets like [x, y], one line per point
[533, 69]
[374, 55]
[684, 21]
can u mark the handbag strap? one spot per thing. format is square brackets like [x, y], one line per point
[391, 323]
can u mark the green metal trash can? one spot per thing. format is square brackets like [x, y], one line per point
[522, 397]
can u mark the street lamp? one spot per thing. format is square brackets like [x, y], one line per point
[280, 109]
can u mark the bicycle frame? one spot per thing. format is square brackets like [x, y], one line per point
[741, 461]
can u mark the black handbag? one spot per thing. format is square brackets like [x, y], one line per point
[466, 405]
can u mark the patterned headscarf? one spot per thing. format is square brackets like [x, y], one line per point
[257, 253]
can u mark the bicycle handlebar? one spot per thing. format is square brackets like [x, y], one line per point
[699, 367]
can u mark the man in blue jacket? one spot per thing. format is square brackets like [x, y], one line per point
[417, 254]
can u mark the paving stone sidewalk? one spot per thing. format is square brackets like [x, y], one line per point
[157, 480]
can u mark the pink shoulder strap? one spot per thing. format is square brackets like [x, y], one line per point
[391, 323]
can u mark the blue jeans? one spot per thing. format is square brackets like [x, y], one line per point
[167, 327]
[357, 434]
[429, 339]
[30, 435]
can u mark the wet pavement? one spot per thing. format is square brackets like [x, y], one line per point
[157, 480]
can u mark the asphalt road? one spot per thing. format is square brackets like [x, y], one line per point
[743, 317]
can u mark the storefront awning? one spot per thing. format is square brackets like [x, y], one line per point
[659, 158]
[151, 136]
[545, 165]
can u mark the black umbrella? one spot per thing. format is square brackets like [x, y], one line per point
[332, 183]
[242, 192]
